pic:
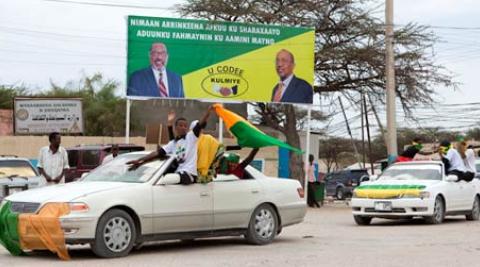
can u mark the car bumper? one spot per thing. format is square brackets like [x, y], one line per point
[78, 227]
[292, 214]
[406, 207]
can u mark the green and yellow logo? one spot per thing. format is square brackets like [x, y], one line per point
[225, 81]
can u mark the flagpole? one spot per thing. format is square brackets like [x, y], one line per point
[307, 151]
[220, 130]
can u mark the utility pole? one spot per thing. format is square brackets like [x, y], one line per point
[363, 132]
[350, 132]
[368, 134]
[390, 73]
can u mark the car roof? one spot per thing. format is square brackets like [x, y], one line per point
[420, 162]
[103, 146]
[12, 157]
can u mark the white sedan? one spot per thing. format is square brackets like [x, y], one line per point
[416, 189]
[116, 209]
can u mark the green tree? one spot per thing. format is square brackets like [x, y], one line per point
[8, 93]
[349, 51]
[103, 110]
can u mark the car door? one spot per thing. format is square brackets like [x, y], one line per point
[182, 208]
[453, 195]
[468, 193]
[234, 201]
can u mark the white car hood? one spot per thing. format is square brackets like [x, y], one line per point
[426, 183]
[64, 192]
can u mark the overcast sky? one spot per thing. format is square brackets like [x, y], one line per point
[58, 40]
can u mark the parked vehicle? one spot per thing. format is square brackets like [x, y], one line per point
[148, 204]
[341, 184]
[17, 174]
[84, 158]
[416, 189]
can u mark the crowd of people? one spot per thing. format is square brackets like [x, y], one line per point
[458, 160]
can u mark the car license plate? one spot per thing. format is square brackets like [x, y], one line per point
[383, 206]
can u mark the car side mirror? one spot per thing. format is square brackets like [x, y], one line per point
[169, 179]
[452, 178]
[364, 179]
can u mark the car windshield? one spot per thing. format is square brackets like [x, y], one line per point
[11, 168]
[117, 170]
[413, 172]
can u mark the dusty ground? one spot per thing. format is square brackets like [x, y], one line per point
[328, 237]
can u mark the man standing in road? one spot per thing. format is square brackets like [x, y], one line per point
[53, 160]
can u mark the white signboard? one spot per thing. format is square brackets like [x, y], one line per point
[46, 115]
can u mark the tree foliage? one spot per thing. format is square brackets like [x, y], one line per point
[349, 52]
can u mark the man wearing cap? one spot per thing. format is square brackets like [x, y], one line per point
[236, 168]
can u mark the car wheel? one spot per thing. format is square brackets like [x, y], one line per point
[115, 234]
[438, 212]
[362, 220]
[340, 195]
[475, 213]
[263, 225]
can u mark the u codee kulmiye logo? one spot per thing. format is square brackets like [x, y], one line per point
[225, 82]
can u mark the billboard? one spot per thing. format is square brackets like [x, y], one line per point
[46, 115]
[219, 61]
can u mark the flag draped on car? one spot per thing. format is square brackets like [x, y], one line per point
[387, 191]
[248, 135]
[28, 231]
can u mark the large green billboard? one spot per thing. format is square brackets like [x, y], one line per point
[197, 59]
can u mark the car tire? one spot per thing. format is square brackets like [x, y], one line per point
[115, 234]
[339, 194]
[474, 215]
[263, 226]
[438, 212]
[362, 220]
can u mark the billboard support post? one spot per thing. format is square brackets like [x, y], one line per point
[127, 123]
[307, 151]
[220, 130]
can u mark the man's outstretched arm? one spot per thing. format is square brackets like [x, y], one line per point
[250, 158]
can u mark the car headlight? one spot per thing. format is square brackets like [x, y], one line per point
[78, 207]
[422, 195]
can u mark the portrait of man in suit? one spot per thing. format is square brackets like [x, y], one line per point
[290, 89]
[156, 80]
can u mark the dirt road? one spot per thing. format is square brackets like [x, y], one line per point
[328, 237]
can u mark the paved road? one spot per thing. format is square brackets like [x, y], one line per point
[328, 237]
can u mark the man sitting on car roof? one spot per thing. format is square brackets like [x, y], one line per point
[183, 147]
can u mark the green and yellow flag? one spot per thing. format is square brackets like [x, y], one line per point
[21, 232]
[248, 135]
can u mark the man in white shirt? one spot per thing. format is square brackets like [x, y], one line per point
[53, 160]
[453, 161]
[469, 161]
[184, 147]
